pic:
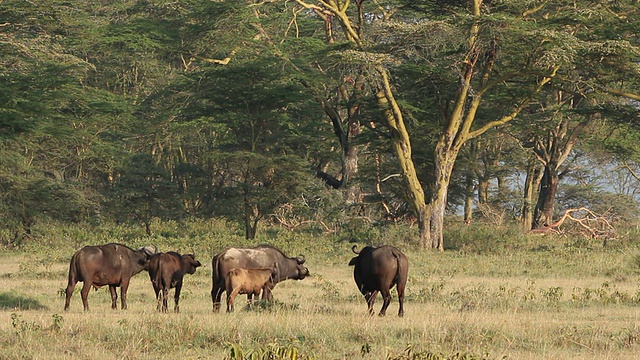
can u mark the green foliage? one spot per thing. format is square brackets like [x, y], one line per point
[410, 353]
[128, 112]
[485, 238]
[144, 191]
[271, 351]
[25, 328]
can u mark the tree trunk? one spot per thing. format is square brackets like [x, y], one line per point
[483, 190]
[443, 168]
[548, 187]
[349, 165]
[250, 214]
[402, 146]
[468, 198]
[534, 176]
[553, 151]
[350, 154]
[251, 228]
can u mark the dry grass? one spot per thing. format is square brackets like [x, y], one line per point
[516, 317]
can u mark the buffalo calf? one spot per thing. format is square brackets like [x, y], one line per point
[248, 281]
[380, 269]
[166, 271]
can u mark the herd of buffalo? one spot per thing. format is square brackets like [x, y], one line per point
[251, 271]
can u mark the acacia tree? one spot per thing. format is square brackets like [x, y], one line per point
[57, 125]
[482, 161]
[552, 149]
[600, 55]
[475, 68]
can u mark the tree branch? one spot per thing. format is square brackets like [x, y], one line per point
[535, 9]
[505, 119]
[592, 224]
[631, 171]
[224, 61]
[623, 94]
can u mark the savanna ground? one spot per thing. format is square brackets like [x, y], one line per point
[494, 294]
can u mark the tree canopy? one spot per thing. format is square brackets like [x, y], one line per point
[388, 110]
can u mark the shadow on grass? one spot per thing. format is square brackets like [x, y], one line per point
[13, 301]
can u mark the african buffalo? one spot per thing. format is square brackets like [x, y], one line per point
[261, 256]
[110, 264]
[248, 281]
[379, 269]
[166, 271]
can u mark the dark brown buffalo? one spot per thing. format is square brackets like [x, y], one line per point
[262, 256]
[379, 269]
[166, 271]
[248, 281]
[110, 264]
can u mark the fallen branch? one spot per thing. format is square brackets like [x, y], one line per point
[589, 224]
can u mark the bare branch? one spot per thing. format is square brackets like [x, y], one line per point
[535, 9]
[623, 94]
[631, 171]
[224, 61]
[596, 226]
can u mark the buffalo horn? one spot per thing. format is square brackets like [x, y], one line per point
[354, 249]
[300, 259]
[148, 249]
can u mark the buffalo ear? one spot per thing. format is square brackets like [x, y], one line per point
[353, 261]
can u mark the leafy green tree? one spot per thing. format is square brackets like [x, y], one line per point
[480, 65]
[48, 140]
[142, 191]
[474, 58]
[598, 56]
[251, 104]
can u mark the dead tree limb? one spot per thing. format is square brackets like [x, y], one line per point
[587, 223]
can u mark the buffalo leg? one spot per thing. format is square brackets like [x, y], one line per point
[401, 299]
[70, 287]
[386, 297]
[159, 300]
[157, 289]
[231, 296]
[250, 299]
[114, 297]
[216, 296]
[370, 297]
[124, 286]
[165, 295]
[266, 294]
[176, 297]
[84, 293]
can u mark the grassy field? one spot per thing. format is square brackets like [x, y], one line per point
[542, 299]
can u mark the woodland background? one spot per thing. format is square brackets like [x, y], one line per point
[333, 116]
